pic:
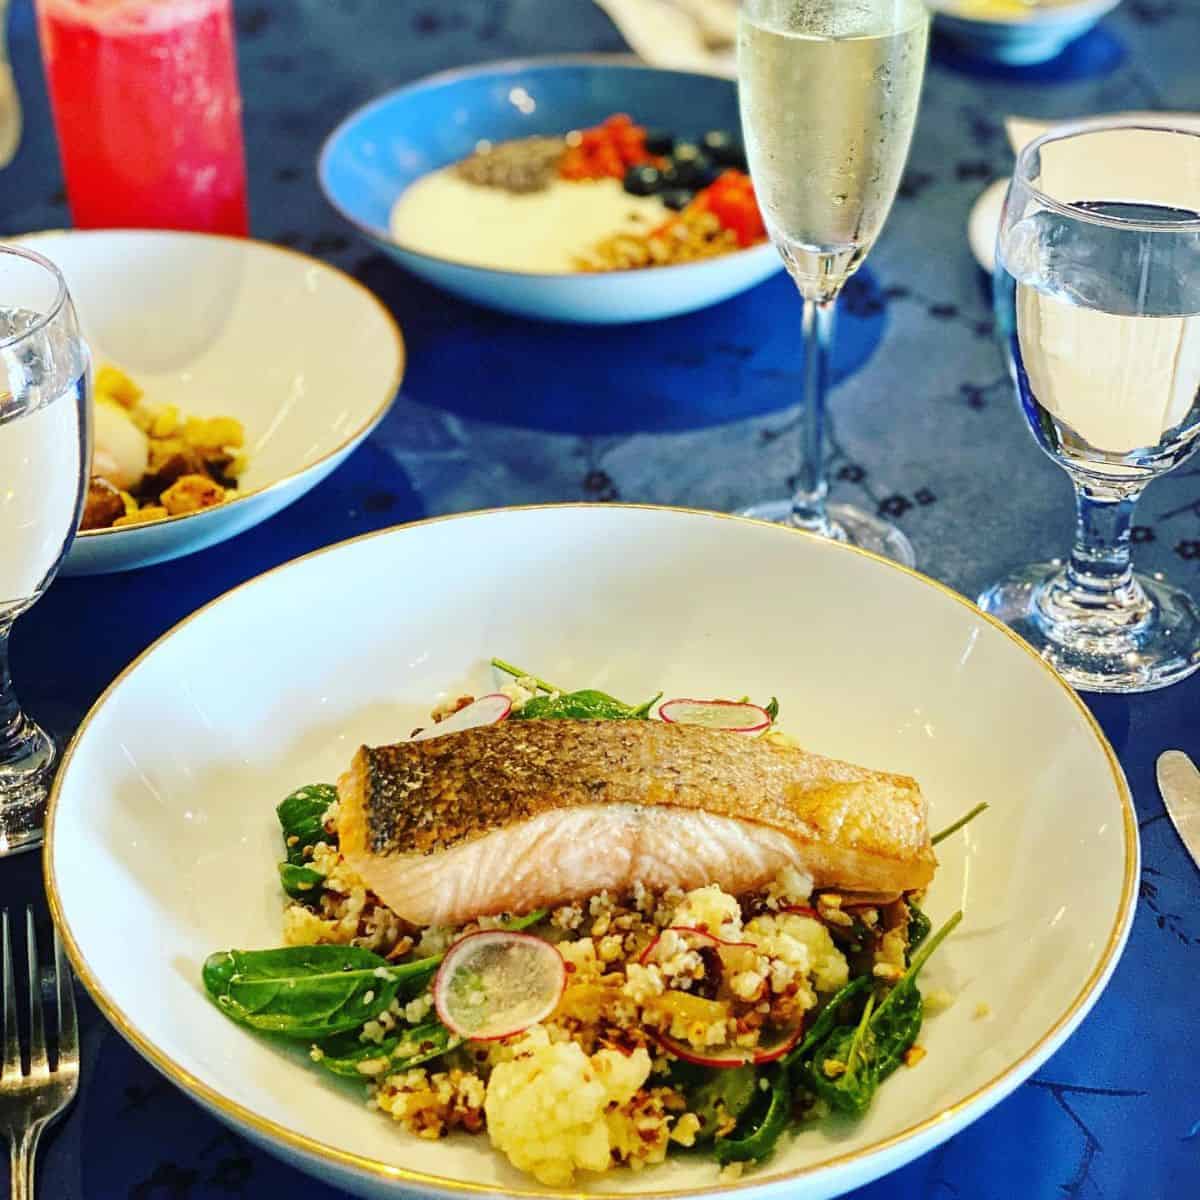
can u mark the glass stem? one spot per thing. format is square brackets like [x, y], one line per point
[12, 720]
[808, 501]
[1099, 573]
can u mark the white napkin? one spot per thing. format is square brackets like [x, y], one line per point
[1088, 162]
[984, 221]
[690, 35]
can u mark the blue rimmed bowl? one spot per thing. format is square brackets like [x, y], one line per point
[373, 155]
[1020, 39]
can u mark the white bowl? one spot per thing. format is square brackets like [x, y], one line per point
[163, 807]
[303, 355]
[1021, 39]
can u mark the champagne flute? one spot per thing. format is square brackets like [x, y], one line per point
[828, 92]
[1098, 303]
[44, 452]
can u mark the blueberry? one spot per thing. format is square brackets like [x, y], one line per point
[686, 152]
[659, 141]
[722, 147]
[676, 198]
[643, 180]
[692, 168]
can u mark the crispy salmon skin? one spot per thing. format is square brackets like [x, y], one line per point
[521, 814]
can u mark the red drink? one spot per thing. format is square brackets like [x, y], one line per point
[148, 112]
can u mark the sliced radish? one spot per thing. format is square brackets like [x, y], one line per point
[495, 983]
[487, 710]
[733, 1056]
[734, 716]
[735, 956]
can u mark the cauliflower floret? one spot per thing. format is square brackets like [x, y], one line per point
[302, 927]
[712, 909]
[803, 944]
[546, 1109]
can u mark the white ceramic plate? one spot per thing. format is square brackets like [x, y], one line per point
[303, 355]
[164, 803]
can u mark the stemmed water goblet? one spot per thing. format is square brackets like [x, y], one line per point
[1098, 303]
[44, 452]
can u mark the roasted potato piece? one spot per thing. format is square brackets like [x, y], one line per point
[190, 493]
[141, 516]
[103, 506]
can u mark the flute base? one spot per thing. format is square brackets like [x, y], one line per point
[1136, 648]
[851, 525]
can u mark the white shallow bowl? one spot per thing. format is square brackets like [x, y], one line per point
[304, 356]
[164, 803]
[1023, 39]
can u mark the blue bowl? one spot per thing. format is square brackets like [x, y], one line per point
[383, 147]
[1033, 37]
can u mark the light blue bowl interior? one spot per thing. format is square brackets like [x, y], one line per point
[382, 148]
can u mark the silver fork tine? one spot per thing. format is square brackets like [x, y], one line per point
[39, 1063]
[68, 1023]
[12, 1042]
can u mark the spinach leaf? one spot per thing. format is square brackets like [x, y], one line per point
[897, 1020]
[756, 1141]
[896, 1028]
[309, 991]
[772, 709]
[720, 1094]
[526, 921]
[587, 705]
[301, 883]
[346, 1054]
[853, 1048]
[919, 926]
[823, 1025]
[302, 817]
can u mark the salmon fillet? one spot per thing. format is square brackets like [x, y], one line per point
[523, 814]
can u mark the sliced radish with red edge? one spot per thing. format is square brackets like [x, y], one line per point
[495, 983]
[733, 1056]
[733, 716]
[735, 956]
[487, 710]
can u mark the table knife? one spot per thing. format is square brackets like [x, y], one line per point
[1179, 782]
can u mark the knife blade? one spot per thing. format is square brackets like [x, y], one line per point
[1179, 782]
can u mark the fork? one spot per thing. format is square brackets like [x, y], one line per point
[31, 1099]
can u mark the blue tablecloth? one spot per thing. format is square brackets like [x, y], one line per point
[925, 430]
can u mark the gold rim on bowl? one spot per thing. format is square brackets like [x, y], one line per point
[270, 1130]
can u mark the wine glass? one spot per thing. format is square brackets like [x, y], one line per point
[828, 92]
[44, 452]
[1098, 302]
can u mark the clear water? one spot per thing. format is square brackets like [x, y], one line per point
[1103, 327]
[44, 452]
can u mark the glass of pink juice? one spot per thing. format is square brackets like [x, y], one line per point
[148, 112]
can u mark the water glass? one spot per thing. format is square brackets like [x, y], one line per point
[1098, 304]
[44, 453]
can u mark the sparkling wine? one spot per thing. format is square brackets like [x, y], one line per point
[829, 92]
